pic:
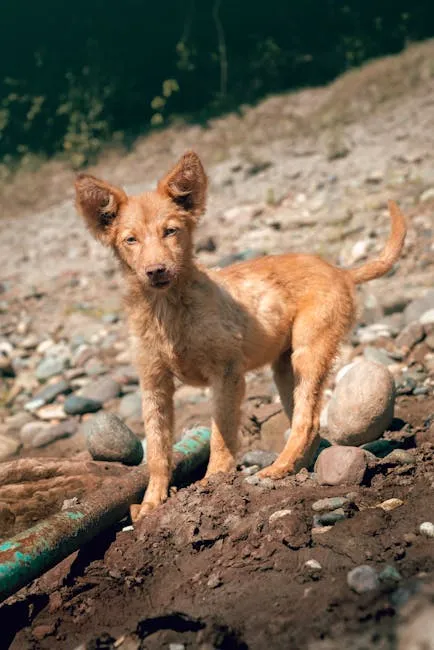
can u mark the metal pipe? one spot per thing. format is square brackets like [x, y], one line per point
[32, 552]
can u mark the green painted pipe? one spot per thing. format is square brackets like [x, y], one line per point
[32, 552]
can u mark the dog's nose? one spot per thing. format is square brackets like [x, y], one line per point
[156, 271]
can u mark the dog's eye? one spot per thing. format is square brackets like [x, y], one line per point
[130, 240]
[168, 232]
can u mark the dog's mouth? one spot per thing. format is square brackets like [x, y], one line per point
[160, 284]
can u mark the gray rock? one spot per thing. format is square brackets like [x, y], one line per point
[102, 390]
[362, 405]
[50, 367]
[76, 405]
[399, 457]
[8, 447]
[390, 576]
[427, 317]
[49, 392]
[378, 355]
[405, 385]
[362, 579]
[32, 429]
[258, 457]
[418, 307]
[131, 406]
[330, 518]
[340, 465]
[95, 367]
[17, 420]
[411, 334]
[109, 439]
[329, 503]
[64, 429]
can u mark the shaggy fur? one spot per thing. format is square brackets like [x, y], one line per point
[208, 328]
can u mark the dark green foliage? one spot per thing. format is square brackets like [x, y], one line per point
[76, 75]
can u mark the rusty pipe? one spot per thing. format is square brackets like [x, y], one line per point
[32, 552]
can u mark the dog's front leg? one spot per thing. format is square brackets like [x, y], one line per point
[228, 392]
[157, 405]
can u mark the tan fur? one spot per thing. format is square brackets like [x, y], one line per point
[208, 328]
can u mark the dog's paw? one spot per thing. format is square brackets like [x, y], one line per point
[275, 471]
[140, 510]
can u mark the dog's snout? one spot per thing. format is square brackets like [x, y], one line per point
[156, 271]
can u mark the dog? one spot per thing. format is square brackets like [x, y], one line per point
[209, 327]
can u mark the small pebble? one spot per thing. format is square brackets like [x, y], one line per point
[313, 566]
[390, 575]
[330, 518]
[427, 529]
[261, 482]
[176, 646]
[319, 530]
[329, 503]
[258, 457]
[76, 405]
[214, 581]
[279, 514]
[362, 579]
[390, 504]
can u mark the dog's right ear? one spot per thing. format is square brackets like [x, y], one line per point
[98, 202]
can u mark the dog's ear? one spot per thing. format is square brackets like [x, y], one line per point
[186, 184]
[98, 203]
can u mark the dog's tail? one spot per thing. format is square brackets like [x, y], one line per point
[378, 267]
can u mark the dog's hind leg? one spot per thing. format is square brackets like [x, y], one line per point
[314, 352]
[283, 376]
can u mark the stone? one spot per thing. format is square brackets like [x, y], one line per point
[389, 576]
[214, 581]
[378, 355]
[51, 412]
[427, 529]
[76, 405]
[102, 390]
[30, 430]
[49, 392]
[362, 405]
[8, 447]
[94, 367]
[339, 465]
[381, 447]
[131, 406]
[330, 518]
[427, 317]
[329, 503]
[411, 334]
[126, 375]
[390, 504]
[16, 421]
[313, 565]
[109, 439]
[54, 432]
[427, 195]
[362, 579]
[405, 385]
[258, 457]
[399, 457]
[49, 368]
[278, 514]
[416, 308]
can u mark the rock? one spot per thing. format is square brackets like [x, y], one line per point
[258, 457]
[266, 483]
[278, 514]
[95, 367]
[126, 375]
[32, 429]
[330, 518]
[50, 391]
[378, 355]
[50, 367]
[16, 421]
[399, 457]
[427, 317]
[55, 432]
[8, 447]
[30, 342]
[381, 447]
[405, 385]
[131, 406]
[51, 412]
[313, 565]
[427, 195]
[411, 334]
[76, 405]
[329, 503]
[340, 465]
[102, 390]
[427, 529]
[42, 631]
[418, 307]
[362, 579]
[214, 581]
[390, 504]
[390, 576]
[109, 439]
[362, 405]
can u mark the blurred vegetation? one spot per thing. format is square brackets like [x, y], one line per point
[75, 77]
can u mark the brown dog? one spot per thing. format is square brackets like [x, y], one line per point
[211, 327]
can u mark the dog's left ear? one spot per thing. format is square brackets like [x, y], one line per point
[186, 184]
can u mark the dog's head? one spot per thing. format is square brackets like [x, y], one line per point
[150, 233]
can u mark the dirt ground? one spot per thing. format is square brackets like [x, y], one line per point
[215, 567]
